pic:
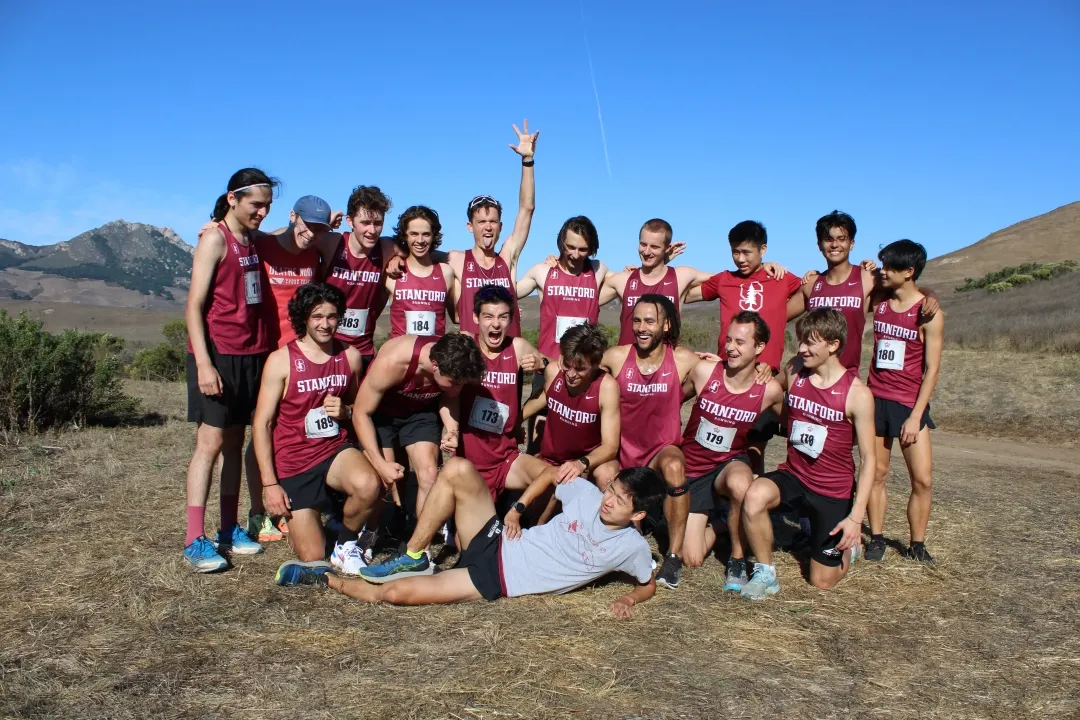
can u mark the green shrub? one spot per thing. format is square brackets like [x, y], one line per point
[167, 361]
[998, 287]
[1043, 273]
[51, 380]
[1021, 279]
[1026, 273]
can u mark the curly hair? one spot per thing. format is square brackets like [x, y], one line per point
[370, 198]
[667, 311]
[418, 212]
[307, 298]
[458, 357]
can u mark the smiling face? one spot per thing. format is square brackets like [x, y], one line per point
[649, 326]
[492, 322]
[651, 248]
[485, 227]
[251, 207]
[419, 237]
[815, 351]
[893, 278]
[305, 235]
[617, 506]
[367, 226]
[322, 323]
[578, 371]
[740, 348]
[837, 247]
[575, 250]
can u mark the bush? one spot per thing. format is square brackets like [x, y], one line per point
[998, 287]
[1043, 273]
[167, 361]
[1021, 279]
[51, 380]
[1005, 278]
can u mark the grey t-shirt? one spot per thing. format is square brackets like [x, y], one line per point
[573, 548]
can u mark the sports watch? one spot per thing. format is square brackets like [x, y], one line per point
[518, 507]
[584, 460]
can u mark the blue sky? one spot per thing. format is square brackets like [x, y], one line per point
[936, 121]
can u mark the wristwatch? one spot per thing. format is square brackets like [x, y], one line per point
[518, 507]
[584, 460]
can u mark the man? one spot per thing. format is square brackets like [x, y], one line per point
[489, 410]
[655, 276]
[750, 287]
[482, 265]
[398, 404]
[728, 399]
[828, 407]
[423, 296]
[227, 347]
[903, 375]
[843, 286]
[300, 441]
[582, 401]
[593, 535]
[650, 374]
[356, 265]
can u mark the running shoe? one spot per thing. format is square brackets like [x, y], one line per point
[919, 553]
[262, 528]
[366, 543]
[295, 572]
[875, 550]
[736, 575]
[448, 536]
[669, 572]
[239, 544]
[762, 583]
[397, 567]
[203, 556]
[282, 525]
[352, 559]
[337, 558]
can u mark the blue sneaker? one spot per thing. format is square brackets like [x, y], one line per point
[295, 572]
[203, 556]
[735, 577]
[239, 544]
[397, 567]
[762, 583]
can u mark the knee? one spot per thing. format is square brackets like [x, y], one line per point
[673, 468]
[395, 593]
[881, 472]
[455, 471]
[755, 500]
[921, 482]
[426, 476]
[823, 581]
[738, 485]
[693, 552]
[209, 443]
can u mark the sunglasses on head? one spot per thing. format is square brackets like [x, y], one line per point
[485, 201]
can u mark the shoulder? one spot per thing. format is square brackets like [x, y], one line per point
[212, 239]
[447, 270]
[614, 357]
[353, 356]
[455, 257]
[704, 370]
[618, 279]
[609, 384]
[277, 362]
[684, 356]
[859, 396]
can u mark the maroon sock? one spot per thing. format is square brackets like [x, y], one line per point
[230, 505]
[196, 516]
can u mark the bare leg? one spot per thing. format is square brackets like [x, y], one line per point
[352, 475]
[762, 496]
[424, 459]
[604, 473]
[696, 545]
[825, 577]
[450, 586]
[459, 492]
[878, 499]
[306, 535]
[733, 482]
[208, 444]
[254, 480]
[919, 459]
[525, 470]
[671, 464]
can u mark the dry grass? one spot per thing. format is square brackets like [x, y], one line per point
[101, 618]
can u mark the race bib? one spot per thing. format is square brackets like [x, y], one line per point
[318, 424]
[714, 437]
[808, 438]
[354, 323]
[420, 322]
[252, 287]
[562, 324]
[489, 415]
[889, 354]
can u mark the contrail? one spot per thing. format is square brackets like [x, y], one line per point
[596, 94]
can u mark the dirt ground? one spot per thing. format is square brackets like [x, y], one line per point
[101, 618]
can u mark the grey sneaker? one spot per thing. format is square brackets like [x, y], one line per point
[875, 550]
[762, 583]
[736, 575]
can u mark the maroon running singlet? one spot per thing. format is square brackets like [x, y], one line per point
[304, 436]
[489, 417]
[567, 300]
[896, 370]
[649, 409]
[847, 297]
[361, 279]
[415, 393]
[233, 318]
[419, 304]
[573, 423]
[820, 436]
[635, 288]
[474, 277]
[718, 424]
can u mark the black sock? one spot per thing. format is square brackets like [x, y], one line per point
[345, 535]
[877, 538]
[917, 545]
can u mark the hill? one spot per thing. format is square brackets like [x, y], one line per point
[148, 260]
[1050, 237]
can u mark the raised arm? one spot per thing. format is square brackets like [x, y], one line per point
[271, 390]
[208, 253]
[526, 148]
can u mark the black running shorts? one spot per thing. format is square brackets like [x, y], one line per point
[423, 426]
[890, 416]
[702, 487]
[824, 514]
[308, 490]
[482, 559]
[240, 377]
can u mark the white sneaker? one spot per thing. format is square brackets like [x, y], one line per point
[352, 559]
[341, 551]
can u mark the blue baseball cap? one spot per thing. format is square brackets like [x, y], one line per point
[313, 210]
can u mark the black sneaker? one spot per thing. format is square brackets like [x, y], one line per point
[919, 553]
[669, 572]
[875, 550]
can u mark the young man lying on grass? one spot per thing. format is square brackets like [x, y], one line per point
[592, 536]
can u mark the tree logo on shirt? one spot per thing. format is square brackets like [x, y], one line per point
[881, 308]
[471, 267]
[714, 386]
[629, 372]
[633, 284]
[236, 248]
[557, 386]
[750, 296]
[554, 274]
[817, 286]
[300, 366]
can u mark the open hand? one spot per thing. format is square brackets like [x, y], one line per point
[526, 144]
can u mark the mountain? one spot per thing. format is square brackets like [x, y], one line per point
[148, 260]
[1050, 237]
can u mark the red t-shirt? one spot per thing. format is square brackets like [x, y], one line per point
[283, 273]
[764, 295]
